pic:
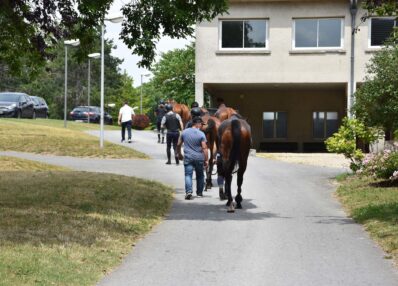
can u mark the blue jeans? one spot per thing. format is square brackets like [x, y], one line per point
[189, 166]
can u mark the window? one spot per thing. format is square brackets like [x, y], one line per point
[318, 33]
[380, 30]
[275, 124]
[325, 124]
[243, 34]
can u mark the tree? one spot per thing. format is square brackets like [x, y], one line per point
[31, 28]
[49, 82]
[376, 100]
[382, 7]
[174, 74]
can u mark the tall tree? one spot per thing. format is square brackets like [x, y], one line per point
[377, 99]
[30, 28]
[174, 74]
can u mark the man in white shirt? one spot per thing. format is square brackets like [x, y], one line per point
[125, 119]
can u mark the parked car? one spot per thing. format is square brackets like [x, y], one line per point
[40, 107]
[16, 104]
[82, 113]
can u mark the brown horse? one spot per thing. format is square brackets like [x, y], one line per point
[180, 109]
[224, 113]
[210, 128]
[234, 142]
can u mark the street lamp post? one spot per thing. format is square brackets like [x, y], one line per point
[113, 19]
[90, 56]
[73, 43]
[142, 75]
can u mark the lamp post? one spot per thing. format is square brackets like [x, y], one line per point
[90, 56]
[142, 75]
[73, 43]
[113, 19]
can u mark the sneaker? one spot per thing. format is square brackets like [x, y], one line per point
[168, 163]
[121, 141]
[129, 141]
[199, 195]
[188, 196]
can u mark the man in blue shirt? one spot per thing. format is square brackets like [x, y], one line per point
[195, 156]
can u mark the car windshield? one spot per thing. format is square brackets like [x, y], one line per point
[94, 109]
[80, 109]
[35, 100]
[10, 97]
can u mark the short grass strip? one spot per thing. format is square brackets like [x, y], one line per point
[375, 205]
[71, 228]
[22, 135]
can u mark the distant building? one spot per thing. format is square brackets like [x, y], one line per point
[287, 66]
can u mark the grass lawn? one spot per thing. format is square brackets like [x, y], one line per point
[72, 125]
[70, 228]
[49, 137]
[375, 205]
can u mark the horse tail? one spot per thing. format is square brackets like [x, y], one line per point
[235, 150]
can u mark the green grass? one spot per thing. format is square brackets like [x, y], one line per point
[48, 137]
[71, 228]
[375, 205]
[71, 125]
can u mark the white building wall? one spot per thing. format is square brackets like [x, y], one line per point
[281, 64]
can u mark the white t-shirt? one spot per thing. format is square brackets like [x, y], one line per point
[126, 112]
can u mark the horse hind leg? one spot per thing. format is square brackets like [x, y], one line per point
[230, 203]
[238, 198]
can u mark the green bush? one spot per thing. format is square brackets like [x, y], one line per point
[345, 141]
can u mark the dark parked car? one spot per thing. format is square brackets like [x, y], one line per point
[82, 113]
[40, 107]
[16, 104]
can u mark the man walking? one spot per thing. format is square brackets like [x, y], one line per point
[125, 119]
[195, 156]
[173, 123]
[159, 113]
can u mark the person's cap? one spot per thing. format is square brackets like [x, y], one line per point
[196, 120]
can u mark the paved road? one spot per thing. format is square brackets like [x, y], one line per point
[290, 232]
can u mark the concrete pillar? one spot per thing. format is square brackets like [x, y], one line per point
[199, 93]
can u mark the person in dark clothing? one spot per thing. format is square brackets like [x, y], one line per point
[195, 112]
[159, 113]
[173, 123]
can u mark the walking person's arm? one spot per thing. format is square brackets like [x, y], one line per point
[119, 119]
[205, 152]
[179, 145]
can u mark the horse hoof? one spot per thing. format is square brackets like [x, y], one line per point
[231, 209]
[239, 206]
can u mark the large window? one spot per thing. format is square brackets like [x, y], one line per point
[325, 124]
[318, 33]
[380, 30]
[274, 124]
[243, 34]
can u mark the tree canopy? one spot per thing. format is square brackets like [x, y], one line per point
[31, 28]
[376, 100]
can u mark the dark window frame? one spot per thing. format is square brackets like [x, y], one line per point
[274, 131]
[220, 34]
[325, 119]
[370, 30]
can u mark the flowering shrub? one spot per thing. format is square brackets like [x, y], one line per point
[140, 121]
[381, 166]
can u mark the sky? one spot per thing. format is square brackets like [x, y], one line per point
[122, 51]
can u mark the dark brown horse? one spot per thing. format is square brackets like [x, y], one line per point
[234, 146]
[210, 128]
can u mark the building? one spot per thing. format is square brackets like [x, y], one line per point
[289, 67]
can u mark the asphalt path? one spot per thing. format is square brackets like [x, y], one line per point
[291, 230]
